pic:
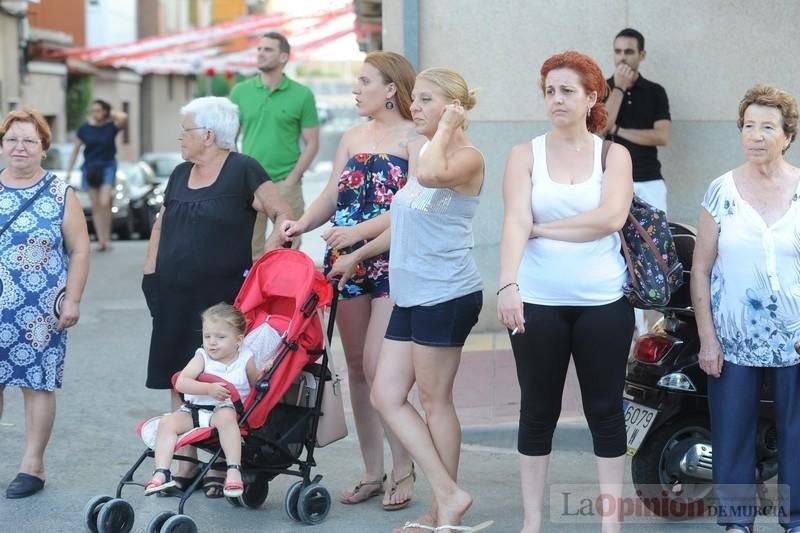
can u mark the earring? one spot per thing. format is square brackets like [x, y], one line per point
[389, 105]
[589, 114]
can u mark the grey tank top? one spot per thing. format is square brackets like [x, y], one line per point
[431, 251]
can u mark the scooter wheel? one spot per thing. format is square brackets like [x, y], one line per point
[660, 484]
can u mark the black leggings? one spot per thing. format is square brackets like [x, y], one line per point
[599, 339]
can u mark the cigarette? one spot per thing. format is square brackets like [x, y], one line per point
[514, 331]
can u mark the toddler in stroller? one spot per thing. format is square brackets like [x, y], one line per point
[277, 421]
[210, 404]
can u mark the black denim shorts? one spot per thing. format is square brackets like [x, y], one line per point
[444, 324]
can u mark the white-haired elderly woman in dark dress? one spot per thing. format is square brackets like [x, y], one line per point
[746, 295]
[199, 250]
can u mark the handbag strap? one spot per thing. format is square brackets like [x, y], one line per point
[327, 344]
[27, 204]
[639, 229]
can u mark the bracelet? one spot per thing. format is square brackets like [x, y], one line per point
[501, 289]
[619, 88]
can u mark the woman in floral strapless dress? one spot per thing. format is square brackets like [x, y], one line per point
[371, 166]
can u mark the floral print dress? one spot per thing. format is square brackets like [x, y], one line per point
[755, 281]
[367, 186]
[33, 274]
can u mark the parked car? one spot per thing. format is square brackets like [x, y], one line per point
[122, 222]
[162, 163]
[142, 183]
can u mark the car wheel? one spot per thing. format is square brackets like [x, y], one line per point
[126, 227]
[144, 222]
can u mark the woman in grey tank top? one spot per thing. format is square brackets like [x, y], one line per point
[436, 289]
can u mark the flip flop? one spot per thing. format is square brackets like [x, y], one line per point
[415, 525]
[394, 484]
[466, 529]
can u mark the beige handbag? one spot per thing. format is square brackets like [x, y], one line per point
[332, 425]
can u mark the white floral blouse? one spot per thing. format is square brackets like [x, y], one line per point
[755, 282]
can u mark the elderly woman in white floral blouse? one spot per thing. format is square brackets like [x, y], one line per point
[746, 294]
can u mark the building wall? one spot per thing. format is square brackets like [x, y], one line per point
[9, 63]
[161, 107]
[44, 88]
[111, 22]
[706, 55]
[148, 17]
[225, 10]
[68, 16]
[122, 90]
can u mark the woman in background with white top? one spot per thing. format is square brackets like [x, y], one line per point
[561, 277]
[436, 289]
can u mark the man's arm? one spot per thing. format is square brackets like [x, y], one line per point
[624, 78]
[658, 136]
[613, 105]
[308, 153]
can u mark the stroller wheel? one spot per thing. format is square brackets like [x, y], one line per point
[313, 504]
[180, 523]
[290, 502]
[255, 493]
[91, 511]
[236, 502]
[115, 516]
[157, 522]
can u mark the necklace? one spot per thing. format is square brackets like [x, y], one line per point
[379, 140]
[580, 146]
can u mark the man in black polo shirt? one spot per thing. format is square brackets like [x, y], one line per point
[638, 117]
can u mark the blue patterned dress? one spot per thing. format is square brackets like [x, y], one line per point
[33, 271]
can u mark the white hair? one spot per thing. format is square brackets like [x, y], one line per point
[218, 114]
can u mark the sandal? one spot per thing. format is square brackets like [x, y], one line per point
[393, 488]
[213, 487]
[378, 484]
[233, 489]
[155, 485]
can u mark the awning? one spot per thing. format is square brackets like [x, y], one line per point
[230, 47]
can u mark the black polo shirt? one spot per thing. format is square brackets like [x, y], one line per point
[642, 105]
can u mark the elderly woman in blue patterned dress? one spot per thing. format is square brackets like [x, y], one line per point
[746, 294]
[44, 262]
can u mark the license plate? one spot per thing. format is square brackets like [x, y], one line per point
[638, 420]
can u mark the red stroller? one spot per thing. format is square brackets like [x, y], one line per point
[284, 288]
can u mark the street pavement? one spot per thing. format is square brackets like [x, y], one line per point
[103, 400]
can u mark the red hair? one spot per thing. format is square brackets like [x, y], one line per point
[592, 80]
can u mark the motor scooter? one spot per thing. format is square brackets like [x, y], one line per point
[666, 409]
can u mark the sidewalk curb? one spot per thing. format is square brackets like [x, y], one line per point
[571, 434]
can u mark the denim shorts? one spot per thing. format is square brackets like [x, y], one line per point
[107, 169]
[445, 324]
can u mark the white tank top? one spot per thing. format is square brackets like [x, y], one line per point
[235, 373]
[569, 273]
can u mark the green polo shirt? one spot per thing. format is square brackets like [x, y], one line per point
[272, 122]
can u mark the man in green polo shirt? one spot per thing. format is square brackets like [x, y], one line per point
[275, 114]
